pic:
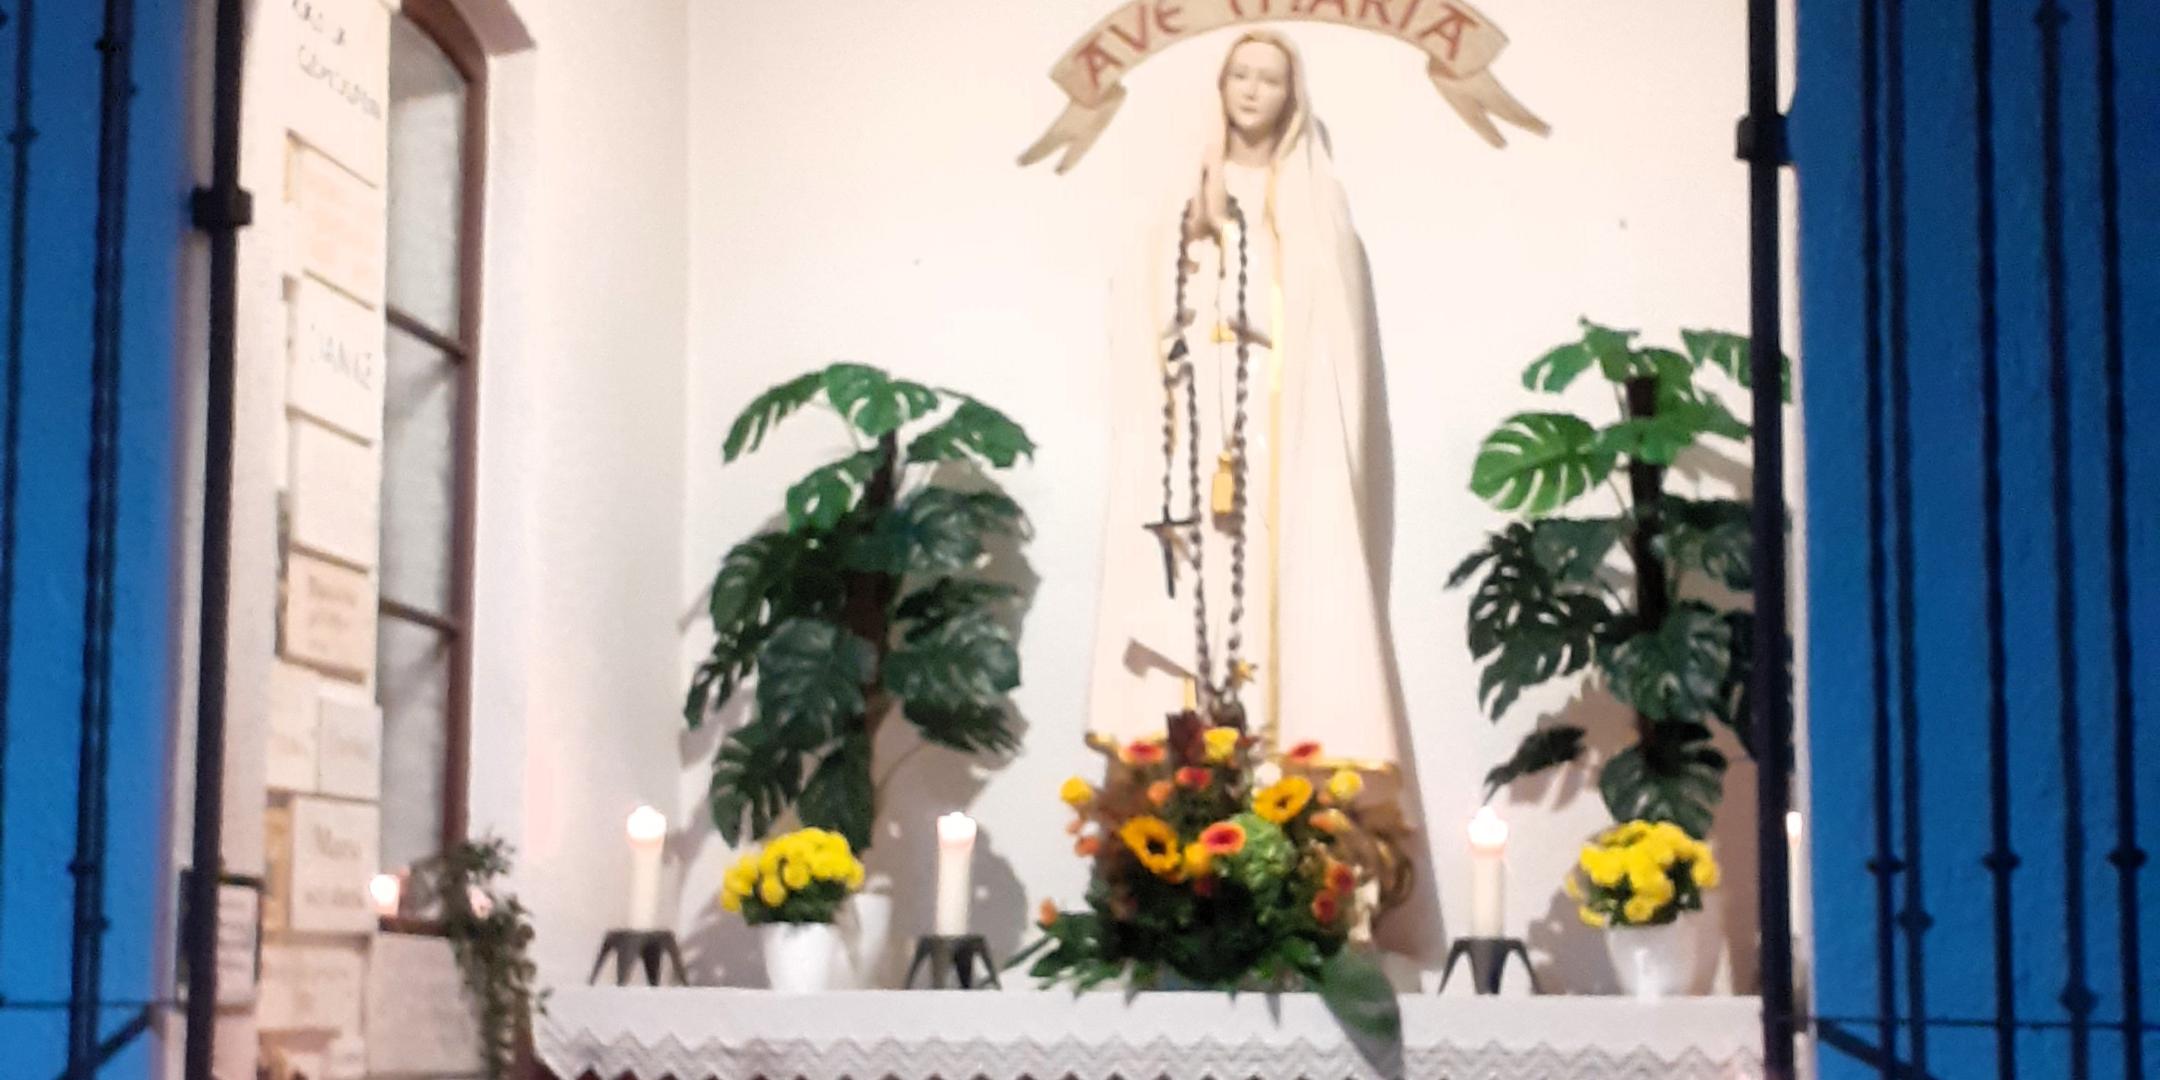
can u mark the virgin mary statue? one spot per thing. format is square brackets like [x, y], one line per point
[1238, 566]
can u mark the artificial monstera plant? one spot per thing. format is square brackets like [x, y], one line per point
[870, 603]
[1672, 640]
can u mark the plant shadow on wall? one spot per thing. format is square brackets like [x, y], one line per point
[1668, 640]
[892, 589]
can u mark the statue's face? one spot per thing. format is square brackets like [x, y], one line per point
[1256, 87]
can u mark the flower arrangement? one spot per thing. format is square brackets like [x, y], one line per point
[802, 877]
[1641, 873]
[1222, 866]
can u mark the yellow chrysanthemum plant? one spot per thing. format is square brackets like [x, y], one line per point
[802, 877]
[1219, 865]
[1641, 873]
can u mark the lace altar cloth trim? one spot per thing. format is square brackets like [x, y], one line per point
[751, 1034]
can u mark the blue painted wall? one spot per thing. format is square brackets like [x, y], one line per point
[1922, 747]
[45, 659]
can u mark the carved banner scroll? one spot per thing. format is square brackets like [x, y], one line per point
[1458, 41]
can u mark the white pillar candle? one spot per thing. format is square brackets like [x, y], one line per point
[1488, 873]
[955, 873]
[647, 828]
[384, 891]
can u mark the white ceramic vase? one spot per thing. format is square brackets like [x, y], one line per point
[801, 958]
[1654, 962]
[865, 925]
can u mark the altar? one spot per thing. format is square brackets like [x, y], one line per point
[732, 1034]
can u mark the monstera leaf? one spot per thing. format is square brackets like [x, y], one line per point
[1714, 536]
[876, 403]
[839, 794]
[974, 432]
[1536, 463]
[1531, 629]
[821, 499]
[1542, 749]
[966, 659]
[1574, 549]
[810, 680]
[1729, 353]
[757, 774]
[1672, 775]
[767, 410]
[946, 598]
[937, 530]
[1675, 671]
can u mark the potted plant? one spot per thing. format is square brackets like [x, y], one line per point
[1634, 881]
[1673, 640]
[869, 603]
[1216, 866]
[791, 891]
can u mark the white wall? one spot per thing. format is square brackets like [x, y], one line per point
[854, 195]
[581, 435]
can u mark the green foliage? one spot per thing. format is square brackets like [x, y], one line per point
[1527, 623]
[1539, 462]
[870, 601]
[491, 935]
[1546, 606]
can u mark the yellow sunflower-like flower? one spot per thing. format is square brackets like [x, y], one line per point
[1154, 843]
[1281, 801]
[1641, 909]
[1593, 917]
[741, 878]
[1624, 833]
[731, 902]
[1221, 743]
[772, 892]
[1076, 792]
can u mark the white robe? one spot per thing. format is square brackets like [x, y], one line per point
[1313, 624]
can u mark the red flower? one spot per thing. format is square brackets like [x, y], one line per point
[1159, 792]
[1326, 908]
[1087, 846]
[1142, 752]
[1195, 776]
[1339, 878]
[1047, 914]
[1304, 753]
[1223, 838]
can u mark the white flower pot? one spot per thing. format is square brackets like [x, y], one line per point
[801, 958]
[1654, 962]
[865, 925]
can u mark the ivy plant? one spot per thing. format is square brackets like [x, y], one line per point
[870, 602]
[1547, 604]
[492, 938]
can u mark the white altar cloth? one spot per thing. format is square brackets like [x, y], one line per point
[726, 1034]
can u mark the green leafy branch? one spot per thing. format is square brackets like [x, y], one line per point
[1547, 605]
[870, 601]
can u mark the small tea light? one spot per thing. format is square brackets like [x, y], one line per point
[385, 892]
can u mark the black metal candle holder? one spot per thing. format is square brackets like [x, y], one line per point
[639, 947]
[952, 958]
[1488, 960]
